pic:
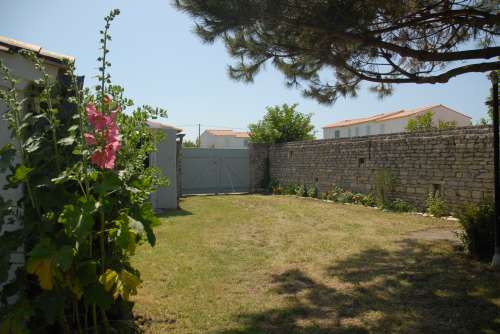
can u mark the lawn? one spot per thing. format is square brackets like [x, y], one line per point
[280, 264]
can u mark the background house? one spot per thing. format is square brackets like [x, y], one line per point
[391, 122]
[224, 139]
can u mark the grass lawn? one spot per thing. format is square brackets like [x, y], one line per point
[280, 264]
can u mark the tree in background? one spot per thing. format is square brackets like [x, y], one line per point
[189, 143]
[424, 123]
[282, 124]
[331, 46]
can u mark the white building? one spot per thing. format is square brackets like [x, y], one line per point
[166, 158]
[224, 139]
[23, 70]
[391, 122]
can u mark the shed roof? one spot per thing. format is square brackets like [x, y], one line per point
[11, 45]
[160, 125]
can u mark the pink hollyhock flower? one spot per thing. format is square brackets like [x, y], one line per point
[106, 129]
[90, 139]
[106, 99]
[106, 158]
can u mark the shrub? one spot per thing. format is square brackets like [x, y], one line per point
[325, 195]
[336, 193]
[478, 223]
[436, 205]
[289, 189]
[358, 198]
[275, 187]
[301, 190]
[368, 200]
[312, 191]
[384, 184]
[399, 205]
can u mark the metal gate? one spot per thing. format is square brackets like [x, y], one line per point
[214, 171]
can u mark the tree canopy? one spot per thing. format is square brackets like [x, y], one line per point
[328, 47]
[282, 124]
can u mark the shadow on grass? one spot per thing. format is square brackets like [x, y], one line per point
[174, 213]
[411, 290]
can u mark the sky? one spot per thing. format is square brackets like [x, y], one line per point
[160, 61]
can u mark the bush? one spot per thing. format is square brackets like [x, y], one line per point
[478, 229]
[301, 190]
[336, 193]
[289, 189]
[399, 205]
[384, 184]
[275, 187]
[368, 200]
[436, 205]
[312, 191]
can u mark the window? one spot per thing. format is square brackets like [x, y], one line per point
[349, 132]
[382, 128]
[290, 155]
[356, 131]
[368, 130]
[337, 133]
[245, 143]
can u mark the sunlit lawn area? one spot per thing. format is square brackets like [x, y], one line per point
[280, 264]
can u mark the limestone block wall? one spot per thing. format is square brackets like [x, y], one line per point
[458, 163]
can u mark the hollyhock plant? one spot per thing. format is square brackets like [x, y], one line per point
[106, 137]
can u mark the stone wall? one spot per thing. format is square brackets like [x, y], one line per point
[457, 162]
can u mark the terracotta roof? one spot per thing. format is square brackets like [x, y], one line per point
[388, 116]
[231, 133]
[348, 122]
[159, 125]
[12, 45]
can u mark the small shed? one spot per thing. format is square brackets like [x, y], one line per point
[167, 158]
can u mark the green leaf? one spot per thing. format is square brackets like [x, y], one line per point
[32, 144]
[43, 249]
[67, 141]
[21, 174]
[7, 155]
[79, 220]
[73, 128]
[149, 220]
[65, 257]
[110, 182]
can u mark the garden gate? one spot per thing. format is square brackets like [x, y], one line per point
[215, 171]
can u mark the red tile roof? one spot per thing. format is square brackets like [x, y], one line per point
[230, 133]
[387, 116]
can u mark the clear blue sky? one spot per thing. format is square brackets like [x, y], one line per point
[160, 62]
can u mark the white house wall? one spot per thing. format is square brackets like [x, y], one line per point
[440, 113]
[23, 70]
[211, 141]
